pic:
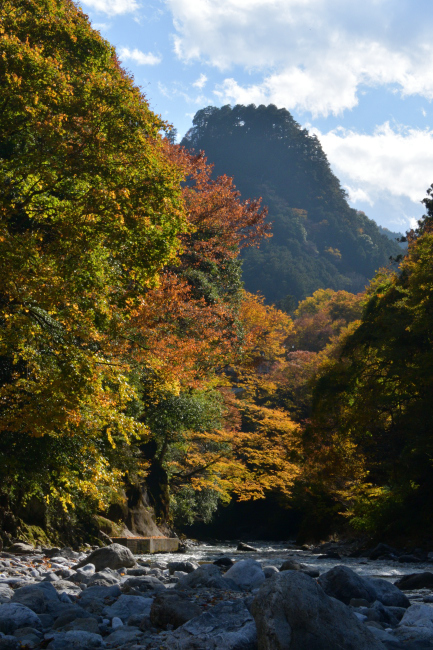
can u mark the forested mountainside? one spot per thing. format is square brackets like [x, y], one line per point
[318, 240]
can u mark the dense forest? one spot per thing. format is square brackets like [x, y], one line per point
[133, 361]
[318, 240]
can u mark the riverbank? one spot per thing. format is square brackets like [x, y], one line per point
[213, 597]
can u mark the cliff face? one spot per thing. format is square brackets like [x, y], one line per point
[318, 240]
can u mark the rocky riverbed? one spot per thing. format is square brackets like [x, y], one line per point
[216, 597]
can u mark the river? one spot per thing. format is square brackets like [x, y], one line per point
[274, 553]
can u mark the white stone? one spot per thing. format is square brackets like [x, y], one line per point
[418, 615]
[247, 574]
[116, 622]
[87, 570]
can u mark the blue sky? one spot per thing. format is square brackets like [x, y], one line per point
[358, 74]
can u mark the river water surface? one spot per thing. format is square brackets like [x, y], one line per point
[274, 554]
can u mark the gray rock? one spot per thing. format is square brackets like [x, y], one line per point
[69, 588]
[21, 548]
[101, 594]
[36, 596]
[269, 571]
[86, 624]
[382, 549]
[76, 640]
[224, 561]
[293, 565]
[104, 578]
[359, 602]
[22, 631]
[207, 575]
[114, 556]
[142, 584]
[227, 626]
[32, 598]
[398, 612]
[384, 615]
[186, 567]
[418, 615]
[388, 641]
[6, 594]
[140, 571]
[9, 642]
[86, 571]
[122, 636]
[292, 612]
[172, 608]
[50, 576]
[247, 574]
[245, 547]
[47, 621]
[409, 559]
[344, 584]
[389, 594]
[14, 615]
[422, 580]
[127, 606]
[69, 615]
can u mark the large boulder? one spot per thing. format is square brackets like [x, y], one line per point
[94, 599]
[21, 548]
[14, 615]
[227, 626]
[416, 626]
[173, 608]
[127, 606]
[344, 584]
[247, 574]
[292, 612]
[415, 581]
[114, 556]
[36, 596]
[388, 594]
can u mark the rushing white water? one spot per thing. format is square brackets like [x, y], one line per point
[274, 554]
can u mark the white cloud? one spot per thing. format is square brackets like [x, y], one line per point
[312, 55]
[392, 166]
[112, 7]
[358, 195]
[101, 26]
[140, 58]
[201, 82]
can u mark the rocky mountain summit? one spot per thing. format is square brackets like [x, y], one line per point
[60, 599]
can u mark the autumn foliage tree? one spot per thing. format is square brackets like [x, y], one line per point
[90, 210]
[121, 291]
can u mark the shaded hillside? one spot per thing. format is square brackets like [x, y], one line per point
[318, 240]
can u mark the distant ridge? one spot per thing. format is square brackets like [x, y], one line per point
[318, 240]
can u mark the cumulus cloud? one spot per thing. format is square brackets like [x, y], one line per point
[311, 55]
[138, 57]
[112, 7]
[394, 161]
[201, 82]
